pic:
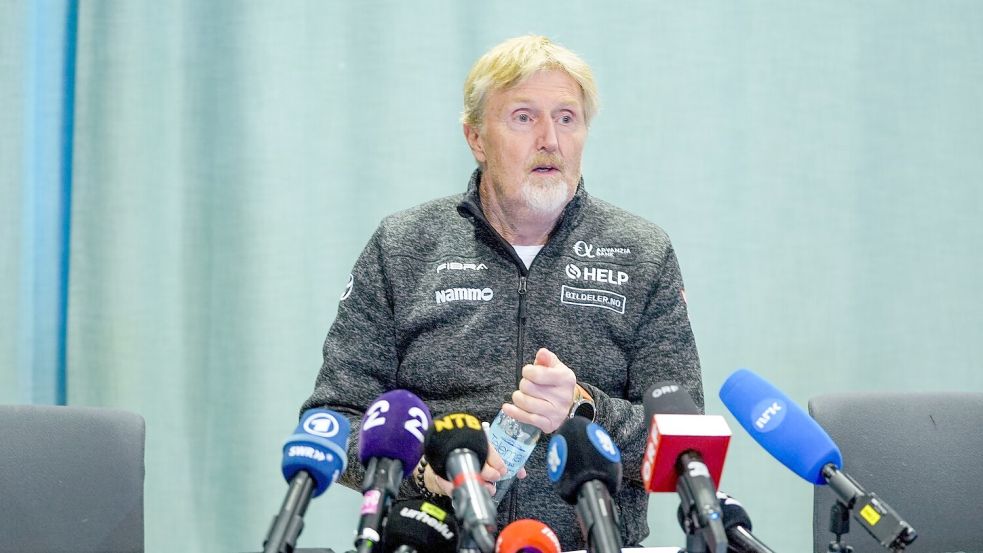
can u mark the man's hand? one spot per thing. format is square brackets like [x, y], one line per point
[493, 471]
[545, 393]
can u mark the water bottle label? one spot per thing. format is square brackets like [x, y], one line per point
[513, 442]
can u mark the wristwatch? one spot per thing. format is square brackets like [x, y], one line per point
[583, 404]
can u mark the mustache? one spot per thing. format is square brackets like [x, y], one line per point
[542, 160]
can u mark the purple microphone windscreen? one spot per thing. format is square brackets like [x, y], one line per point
[581, 451]
[394, 427]
[781, 427]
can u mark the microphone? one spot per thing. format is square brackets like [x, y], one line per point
[685, 453]
[418, 526]
[737, 524]
[585, 465]
[456, 448]
[313, 458]
[790, 435]
[527, 536]
[390, 446]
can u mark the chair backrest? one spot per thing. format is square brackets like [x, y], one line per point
[922, 453]
[71, 479]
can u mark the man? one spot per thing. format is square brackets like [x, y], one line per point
[525, 288]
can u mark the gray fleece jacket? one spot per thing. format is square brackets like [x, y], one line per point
[440, 305]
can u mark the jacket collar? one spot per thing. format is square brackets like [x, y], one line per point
[470, 207]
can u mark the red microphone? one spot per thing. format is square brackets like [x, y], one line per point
[527, 536]
[685, 453]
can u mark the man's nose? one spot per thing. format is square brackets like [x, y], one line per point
[546, 138]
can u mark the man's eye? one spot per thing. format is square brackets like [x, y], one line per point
[523, 118]
[566, 119]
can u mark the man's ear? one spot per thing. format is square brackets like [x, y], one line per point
[473, 137]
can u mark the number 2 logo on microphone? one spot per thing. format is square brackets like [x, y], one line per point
[416, 422]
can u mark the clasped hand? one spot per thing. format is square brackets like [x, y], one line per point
[543, 400]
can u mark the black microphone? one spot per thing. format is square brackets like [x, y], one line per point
[390, 446]
[418, 526]
[457, 448]
[682, 438]
[585, 465]
[737, 524]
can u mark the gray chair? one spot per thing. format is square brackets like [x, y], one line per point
[71, 480]
[922, 453]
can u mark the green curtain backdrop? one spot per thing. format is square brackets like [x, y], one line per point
[817, 164]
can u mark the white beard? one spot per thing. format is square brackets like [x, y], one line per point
[545, 197]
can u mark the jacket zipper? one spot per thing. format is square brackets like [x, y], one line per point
[521, 342]
[520, 345]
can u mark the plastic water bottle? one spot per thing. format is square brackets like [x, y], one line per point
[514, 441]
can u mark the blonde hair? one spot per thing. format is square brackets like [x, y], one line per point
[511, 62]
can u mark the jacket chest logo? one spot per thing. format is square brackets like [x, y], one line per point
[460, 266]
[593, 297]
[591, 251]
[464, 294]
[595, 274]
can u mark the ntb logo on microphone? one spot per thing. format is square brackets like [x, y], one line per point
[456, 420]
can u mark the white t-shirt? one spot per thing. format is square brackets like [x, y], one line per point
[527, 253]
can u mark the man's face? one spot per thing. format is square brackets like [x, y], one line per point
[530, 144]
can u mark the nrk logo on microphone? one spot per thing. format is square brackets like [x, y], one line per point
[556, 457]
[603, 443]
[768, 414]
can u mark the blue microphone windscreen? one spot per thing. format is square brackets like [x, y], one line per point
[395, 426]
[319, 445]
[781, 427]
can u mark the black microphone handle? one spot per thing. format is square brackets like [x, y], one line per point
[699, 500]
[888, 528]
[743, 541]
[597, 518]
[472, 503]
[382, 475]
[289, 522]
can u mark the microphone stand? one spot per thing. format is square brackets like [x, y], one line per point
[839, 525]
[599, 537]
[704, 531]
[289, 523]
[891, 532]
